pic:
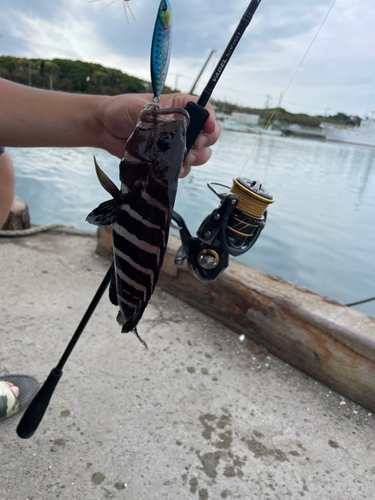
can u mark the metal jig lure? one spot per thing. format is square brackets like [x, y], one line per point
[161, 48]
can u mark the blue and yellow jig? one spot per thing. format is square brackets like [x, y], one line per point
[161, 48]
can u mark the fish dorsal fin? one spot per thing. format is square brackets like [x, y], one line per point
[106, 182]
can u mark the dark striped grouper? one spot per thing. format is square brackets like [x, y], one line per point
[141, 210]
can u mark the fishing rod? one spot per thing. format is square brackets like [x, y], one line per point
[234, 227]
[198, 116]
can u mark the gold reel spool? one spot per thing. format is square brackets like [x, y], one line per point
[253, 202]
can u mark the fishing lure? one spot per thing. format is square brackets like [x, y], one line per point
[126, 5]
[141, 210]
[161, 48]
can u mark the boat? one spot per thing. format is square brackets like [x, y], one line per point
[234, 126]
[296, 130]
[363, 135]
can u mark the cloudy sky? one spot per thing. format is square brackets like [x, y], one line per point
[338, 73]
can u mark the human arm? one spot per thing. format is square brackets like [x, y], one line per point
[31, 117]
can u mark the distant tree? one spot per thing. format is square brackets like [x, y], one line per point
[345, 119]
[69, 76]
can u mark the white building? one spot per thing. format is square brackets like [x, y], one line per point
[245, 118]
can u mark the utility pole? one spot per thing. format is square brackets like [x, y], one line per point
[278, 106]
[29, 73]
[268, 100]
[201, 71]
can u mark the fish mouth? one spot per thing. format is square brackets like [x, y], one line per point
[152, 114]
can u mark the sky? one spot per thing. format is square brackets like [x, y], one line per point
[337, 74]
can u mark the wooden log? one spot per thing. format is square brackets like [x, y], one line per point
[319, 336]
[18, 217]
[105, 242]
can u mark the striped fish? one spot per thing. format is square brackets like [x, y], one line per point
[141, 210]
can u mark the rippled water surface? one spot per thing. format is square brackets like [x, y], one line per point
[320, 232]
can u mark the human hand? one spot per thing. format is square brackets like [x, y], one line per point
[119, 116]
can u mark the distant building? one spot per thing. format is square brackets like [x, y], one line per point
[245, 118]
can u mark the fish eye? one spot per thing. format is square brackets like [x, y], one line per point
[164, 142]
[163, 7]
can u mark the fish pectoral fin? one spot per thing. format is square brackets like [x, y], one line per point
[104, 214]
[106, 182]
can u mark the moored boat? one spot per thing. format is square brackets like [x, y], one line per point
[363, 135]
[296, 130]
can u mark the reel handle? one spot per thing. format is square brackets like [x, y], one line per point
[198, 117]
[38, 406]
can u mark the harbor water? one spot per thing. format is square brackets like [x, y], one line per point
[320, 232]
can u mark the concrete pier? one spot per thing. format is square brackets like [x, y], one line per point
[198, 415]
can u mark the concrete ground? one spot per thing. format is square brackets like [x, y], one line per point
[196, 416]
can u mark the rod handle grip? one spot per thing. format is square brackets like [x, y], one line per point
[38, 406]
[198, 117]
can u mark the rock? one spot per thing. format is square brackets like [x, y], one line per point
[18, 217]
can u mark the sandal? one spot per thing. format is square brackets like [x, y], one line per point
[9, 402]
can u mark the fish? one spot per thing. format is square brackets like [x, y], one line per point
[141, 210]
[161, 48]
[126, 5]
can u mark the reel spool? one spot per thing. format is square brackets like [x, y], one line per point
[231, 229]
[248, 218]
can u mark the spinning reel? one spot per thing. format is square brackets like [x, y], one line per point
[231, 229]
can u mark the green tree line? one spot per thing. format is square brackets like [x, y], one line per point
[286, 118]
[70, 76]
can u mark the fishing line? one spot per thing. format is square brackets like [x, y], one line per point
[289, 84]
[360, 302]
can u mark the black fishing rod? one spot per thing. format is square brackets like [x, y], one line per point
[198, 116]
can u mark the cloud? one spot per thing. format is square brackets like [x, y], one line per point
[338, 72]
